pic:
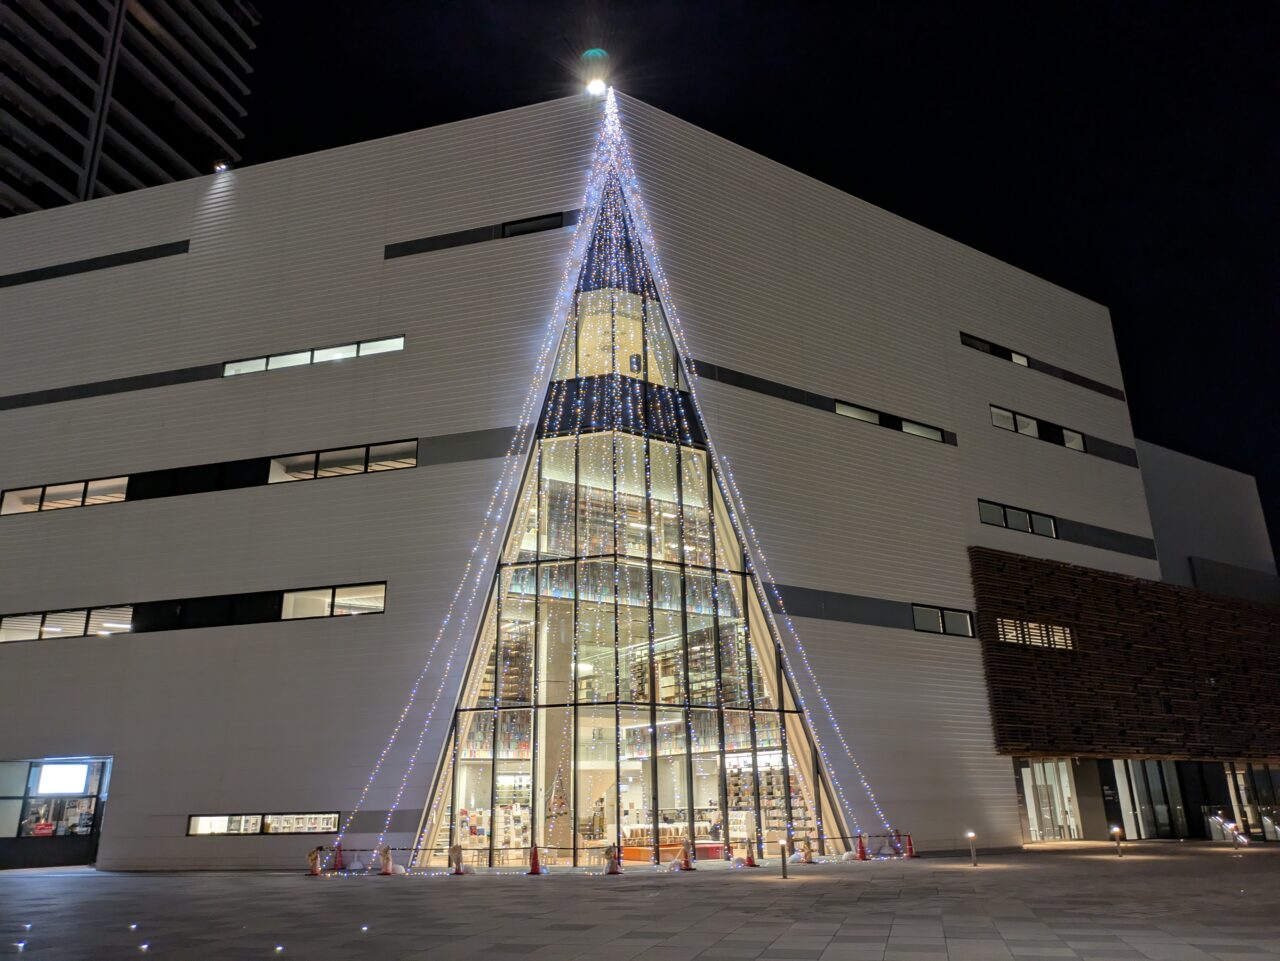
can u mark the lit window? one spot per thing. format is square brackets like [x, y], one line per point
[60, 496]
[1036, 635]
[1002, 418]
[381, 346]
[292, 467]
[316, 602]
[244, 366]
[1017, 520]
[393, 456]
[361, 599]
[857, 413]
[64, 624]
[224, 824]
[1043, 525]
[62, 779]
[300, 823]
[105, 621]
[297, 359]
[21, 502]
[921, 430]
[335, 462]
[335, 353]
[1017, 358]
[990, 513]
[1072, 439]
[958, 623]
[1027, 425]
[20, 627]
[927, 619]
[107, 490]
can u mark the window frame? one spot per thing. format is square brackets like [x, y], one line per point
[942, 612]
[262, 822]
[1031, 518]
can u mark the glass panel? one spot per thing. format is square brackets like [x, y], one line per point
[673, 782]
[595, 332]
[957, 622]
[64, 623]
[764, 656]
[632, 509]
[104, 621]
[991, 513]
[21, 502]
[20, 627]
[567, 355]
[728, 549]
[1043, 525]
[1017, 358]
[635, 764]
[107, 490]
[1072, 439]
[393, 456]
[292, 467]
[472, 800]
[556, 510]
[921, 430]
[663, 478]
[596, 813]
[1027, 425]
[555, 782]
[697, 519]
[298, 359]
[476, 740]
[481, 679]
[244, 366]
[1017, 520]
[628, 325]
[594, 664]
[668, 635]
[224, 824]
[60, 496]
[523, 543]
[360, 599]
[335, 462]
[927, 619]
[381, 346]
[662, 354]
[769, 767]
[1002, 418]
[555, 633]
[804, 822]
[299, 823]
[700, 627]
[317, 602]
[733, 641]
[856, 412]
[515, 635]
[708, 818]
[334, 353]
[633, 632]
[595, 495]
[739, 776]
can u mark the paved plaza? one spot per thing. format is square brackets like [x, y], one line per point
[1161, 902]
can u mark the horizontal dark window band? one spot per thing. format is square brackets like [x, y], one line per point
[849, 608]
[103, 388]
[479, 235]
[103, 262]
[1109, 450]
[465, 446]
[1005, 353]
[796, 395]
[1090, 535]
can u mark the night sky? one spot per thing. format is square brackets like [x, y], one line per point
[1126, 151]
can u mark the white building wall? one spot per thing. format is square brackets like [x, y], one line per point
[773, 273]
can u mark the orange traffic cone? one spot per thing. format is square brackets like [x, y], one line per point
[862, 848]
[897, 842]
[751, 855]
[535, 866]
[614, 866]
[911, 850]
[338, 863]
[685, 863]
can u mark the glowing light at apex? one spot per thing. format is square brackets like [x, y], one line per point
[597, 87]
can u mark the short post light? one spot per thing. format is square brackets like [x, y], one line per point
[782, 846]
[973, 849]
[1117, 833]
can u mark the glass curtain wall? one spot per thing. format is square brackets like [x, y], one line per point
[625, 688]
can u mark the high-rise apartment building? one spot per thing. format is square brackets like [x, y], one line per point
[648, 492]
[105, 96]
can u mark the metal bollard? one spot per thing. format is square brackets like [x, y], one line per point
[1115, 833]
[782, 845]
[973, 850]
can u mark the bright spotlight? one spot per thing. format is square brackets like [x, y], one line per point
[221, 167]
[597, 87]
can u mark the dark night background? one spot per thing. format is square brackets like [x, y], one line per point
[1127, 151]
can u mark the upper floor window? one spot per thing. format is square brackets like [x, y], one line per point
[942, 620]
[1037, 635]
[318, 355]
[1035, 427]
[1015, 518]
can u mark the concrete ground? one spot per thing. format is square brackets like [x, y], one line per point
[1161, 902]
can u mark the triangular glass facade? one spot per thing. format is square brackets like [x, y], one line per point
[625, 687]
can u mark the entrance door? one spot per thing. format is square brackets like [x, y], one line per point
[1048, 792]
[51, 811]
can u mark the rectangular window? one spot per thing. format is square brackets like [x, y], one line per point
[316, 602]
[292, 467]
[927, 619]
[1017, 358]
[1043, 525]
[333, 463]
[958, 623]
[1002, 418]
[107, 490]
[20, 627]
[360, 599]
[300, 823]
[105, 621]
[64, 624]
[857, 413]
[990, 513]
[1018, 519]
[1031, 633]
[921, 430]
[60, 496]
[383, 346]
[1022, 360]
[297, 359]
[21, 502]
[242, 824]
[224, 824]
[1073, 440]
[343, 352]
[395, 456]
[1026, 425]
[939, 620]
[231, 368]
